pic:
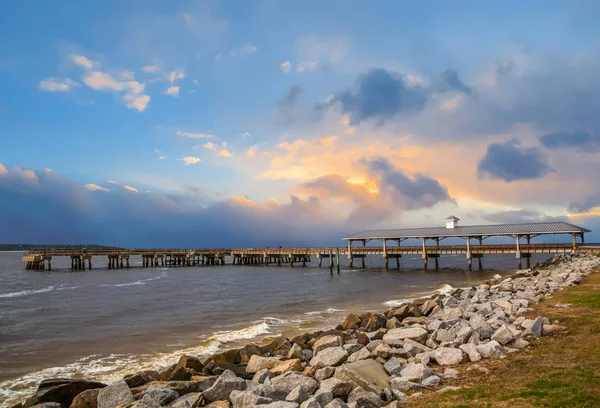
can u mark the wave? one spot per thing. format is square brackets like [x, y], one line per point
[26, 292]
[397, 302]
[137, 282]
[445, 289]
[330, 310]
[246, 333]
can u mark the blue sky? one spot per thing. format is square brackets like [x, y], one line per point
[284, 111]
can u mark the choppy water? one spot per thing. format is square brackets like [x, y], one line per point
[105, 323]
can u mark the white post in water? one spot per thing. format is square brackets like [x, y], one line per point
[469, 258]
[385, 253]
[518, 251]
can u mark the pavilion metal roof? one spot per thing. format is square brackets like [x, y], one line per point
[534, 228]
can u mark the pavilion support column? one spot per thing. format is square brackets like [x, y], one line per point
[469, 257]
[582, 239]
[424, 254]
[574, 242]
[518, 254]
[399, 254]
[385, 253]
[437, 263]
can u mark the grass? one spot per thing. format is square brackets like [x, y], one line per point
[558, 371]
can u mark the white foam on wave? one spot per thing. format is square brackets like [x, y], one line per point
[136, 283]
[26, 292]
[246, 333]
[445, 289]
[330, 310]
[397, 302]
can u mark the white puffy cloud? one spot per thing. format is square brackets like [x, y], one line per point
[133, 97]
[252, 151]
[190, 160]
[172, 91]
[58, 84]
[132, 189]
[95, 187]
[307, 66]
[286, 66]
[82, 61]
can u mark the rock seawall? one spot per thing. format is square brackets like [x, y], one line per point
[369, 360]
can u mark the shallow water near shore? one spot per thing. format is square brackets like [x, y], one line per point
[102, 323]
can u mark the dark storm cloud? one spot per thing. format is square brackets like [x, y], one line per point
[449, 81]
[579, 140]
[403, 191]
[381, 95]
[45, 208]
[510, 162]
[591, 201]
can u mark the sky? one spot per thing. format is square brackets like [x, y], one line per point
[232, 123]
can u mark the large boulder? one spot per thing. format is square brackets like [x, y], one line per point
[284, 384]
[86, 399]
[288, 365]
[331, 357]
[247, 399]
[162, 395]
[404, 384]
[117, 393]
[61, 390]
[449, 356]
[352, 322]
[364, 399]
[339, 388]
[470, 350]
[298, 395]
[193, 399]
[368, 374]
[278, 347]
[221, 389]
[257, 363]
[141, 378]
[327, 342]
[361, 354]
[492, 349]
[395, 337]
[503, 335]
[416, 371]
[535, 328]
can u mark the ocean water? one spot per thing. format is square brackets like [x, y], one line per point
[103, 324]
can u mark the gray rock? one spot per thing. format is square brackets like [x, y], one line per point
[149, 402]
[160, 394]
[396, 337]
[247, 399]
[493, 349]
[451, 373]
[519, 343]
[288, 381]
[323, 397]
[364, 399]
[536, 328]
[298, 395]
[352, 348]
[416, 371]
[361, 354]
[404, 384]
[448, 356]
[424, 358]
[503, 335]
[332, 356]
[324, 373]
[373, 344]
[257, 363]
[117, 393]
[339, 388]
[394, 365]
[336, 403]
[221, 389]
[326, 342]
[306, 355]
[367, 374]
[193, 399]
[261, 376]
[399, 396]
[471, 351]
[413, 348]
[295, 351]
[278, 404]
[311, 403]
[432, 380]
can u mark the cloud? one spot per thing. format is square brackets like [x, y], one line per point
[286, 66]
[114, 183]
[521, 216]
[82, 61]
[133, 97]
[175, 75]
[161, 155]
[449, 81]
[191, 135]
[578, 140]
[210, 146]
[3, 170]
[252, 151]
[510, 162]
[290, 98]
[224, 153]
[132, 189]
[190, 160]
[246, 134]
[380, 95]
[155, 68]
[57, 210]
[172, 91]
[95, 187]
[590, 202]
[329, 51]
[307, 66]
[58, 84]
[404, 191]
[242, 51]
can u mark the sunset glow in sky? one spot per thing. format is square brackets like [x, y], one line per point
[208, 123]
